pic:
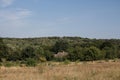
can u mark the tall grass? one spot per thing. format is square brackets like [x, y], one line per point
[59, 71]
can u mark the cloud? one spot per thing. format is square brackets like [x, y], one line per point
[6, 3]
[14, 17]
[14, 14]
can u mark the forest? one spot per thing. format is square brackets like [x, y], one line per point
[58, 49]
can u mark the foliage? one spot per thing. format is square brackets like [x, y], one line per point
[76, 54]
[28, 52]
[66, 62]
[92, 53]
[30, 62]
[42, 59]
[44, 49]
[3, 50]
[15, 56]
[8, 64]
[60, 45]
[110, 53]
[48, 55]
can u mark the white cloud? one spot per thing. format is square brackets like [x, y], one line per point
[5, 3]
[14, 14]
[14, 17]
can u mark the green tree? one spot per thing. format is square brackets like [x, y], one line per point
[16, 55]
[28, 52]
[92, 53]
[110, 53]
[118, 52]
[3, 50]
[39, 52]
[30, 62]
[48, 55]
[76, 54]
[60, 45]
[106, 44]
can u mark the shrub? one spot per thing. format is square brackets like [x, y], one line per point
[30, 62]
[92, 53]
[66, 62]
[42, 59]
[8, 64]
[27, 52]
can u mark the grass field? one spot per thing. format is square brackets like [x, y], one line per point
[61, 71]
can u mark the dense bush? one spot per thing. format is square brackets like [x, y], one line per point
[43, 49]
[76, 54]
[60, 45]
[3, 50]
[92, 53]
[30, 62]
[28, 52]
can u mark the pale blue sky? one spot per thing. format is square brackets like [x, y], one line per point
[41, 18]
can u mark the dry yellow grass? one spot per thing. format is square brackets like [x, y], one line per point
[59, 71]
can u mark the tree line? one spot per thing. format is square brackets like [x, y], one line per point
[44, 48]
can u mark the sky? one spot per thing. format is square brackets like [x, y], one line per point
[43, 18]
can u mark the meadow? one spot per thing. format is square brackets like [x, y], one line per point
[96, 70]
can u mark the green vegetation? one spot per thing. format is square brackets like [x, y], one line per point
[66, 62]
[30, 62]
[33, 50]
